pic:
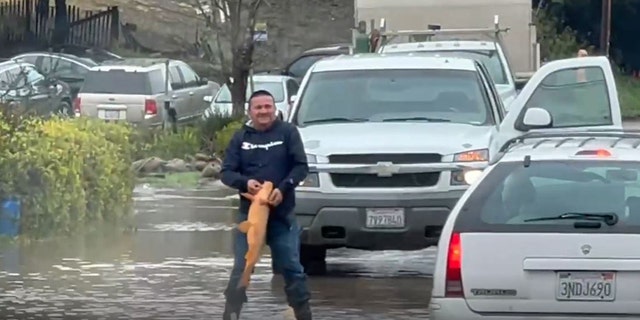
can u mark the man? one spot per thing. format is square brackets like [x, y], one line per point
[580, 73]
[267, 149]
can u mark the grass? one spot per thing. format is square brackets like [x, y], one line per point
[182, 180]
[629, 95]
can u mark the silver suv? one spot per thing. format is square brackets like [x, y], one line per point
[133, 90]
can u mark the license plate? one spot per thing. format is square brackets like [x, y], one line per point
[111, 114]
[385, 218]
[586, 286]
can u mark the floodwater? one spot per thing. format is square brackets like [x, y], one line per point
[176, 264]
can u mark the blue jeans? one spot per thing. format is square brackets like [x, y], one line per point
[283, 237]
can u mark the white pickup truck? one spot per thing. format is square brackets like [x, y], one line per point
[390, 140]
[461, 28]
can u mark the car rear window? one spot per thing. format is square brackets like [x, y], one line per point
[122, 82]
[275, 88]
[512, 194]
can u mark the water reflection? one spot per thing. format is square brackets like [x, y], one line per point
[176, 264]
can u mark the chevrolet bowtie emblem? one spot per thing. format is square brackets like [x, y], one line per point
[385, 169]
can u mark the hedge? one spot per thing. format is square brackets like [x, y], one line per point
[66, 172]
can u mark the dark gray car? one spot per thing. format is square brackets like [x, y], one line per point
[22, 85]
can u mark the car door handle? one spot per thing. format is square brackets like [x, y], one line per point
[191, 93]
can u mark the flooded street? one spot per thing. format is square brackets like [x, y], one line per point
[176, 264]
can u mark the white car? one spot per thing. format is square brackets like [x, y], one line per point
[548, 231]
[564, 95]
[488, 52]
[281, 87]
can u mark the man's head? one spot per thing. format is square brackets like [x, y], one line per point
[262, 109]
[583, 53]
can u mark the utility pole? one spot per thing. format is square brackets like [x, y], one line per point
[605, 27]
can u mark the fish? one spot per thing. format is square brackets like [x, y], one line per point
[256, 229]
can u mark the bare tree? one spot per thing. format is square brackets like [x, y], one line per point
[229, 42]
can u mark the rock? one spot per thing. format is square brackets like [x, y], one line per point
[147, 165]
[189, 159]
[200, 165]
[176, 165]
[202, 157]
[216, 159]
[212, 170]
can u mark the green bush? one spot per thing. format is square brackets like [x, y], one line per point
[156, 142]
[201, 136]
[224, 136]
[556, 40]
[66, 172]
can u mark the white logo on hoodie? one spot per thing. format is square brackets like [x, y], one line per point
[251, 146]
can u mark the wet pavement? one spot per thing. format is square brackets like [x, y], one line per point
[175, 266]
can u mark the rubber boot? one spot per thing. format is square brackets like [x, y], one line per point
[233, 306]
[302, 312]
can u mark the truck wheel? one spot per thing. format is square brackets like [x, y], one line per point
[313, 259]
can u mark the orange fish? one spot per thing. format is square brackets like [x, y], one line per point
[256, 229]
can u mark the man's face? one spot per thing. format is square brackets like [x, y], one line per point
[262, 111]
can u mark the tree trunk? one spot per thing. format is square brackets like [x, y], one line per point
[61, 27]
[240, 73]
[239, 92]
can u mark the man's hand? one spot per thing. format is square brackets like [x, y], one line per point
[253, 186]
[275, 197]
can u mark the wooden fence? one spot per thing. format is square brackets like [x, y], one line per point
[26, 20]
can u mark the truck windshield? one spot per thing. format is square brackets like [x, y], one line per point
[490, 58]
[389, 95]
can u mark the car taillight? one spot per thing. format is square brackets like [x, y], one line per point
[150, 107]
[453, 282]
[77, 105]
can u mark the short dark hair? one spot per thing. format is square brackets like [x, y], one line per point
[260, 93]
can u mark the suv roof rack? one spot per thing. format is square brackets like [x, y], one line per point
[494, 32]
[136, 62]
[588, 135]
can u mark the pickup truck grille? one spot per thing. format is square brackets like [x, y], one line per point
[398, 158]
[356, 180]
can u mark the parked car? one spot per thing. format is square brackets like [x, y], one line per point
[65, 67]
[390, 139]
[133, 90]
[488, 52]
[548, 231]
[281, 87]
[21, 85]
[298, 67]
[96, 54]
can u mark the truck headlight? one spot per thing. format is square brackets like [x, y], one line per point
[465, 177]
[472, 156]
[468, 177]
[311, 181]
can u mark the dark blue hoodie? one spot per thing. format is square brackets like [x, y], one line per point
[275, 155]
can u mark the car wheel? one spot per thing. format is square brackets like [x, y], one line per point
[64, 110]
